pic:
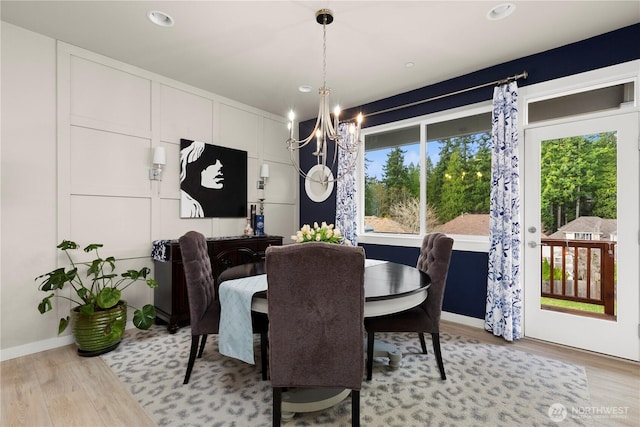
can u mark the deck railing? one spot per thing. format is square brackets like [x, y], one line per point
[580, 270]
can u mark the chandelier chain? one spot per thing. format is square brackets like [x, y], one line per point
[324, 52]
[326, 130]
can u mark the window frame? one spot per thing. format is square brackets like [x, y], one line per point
[473, 243]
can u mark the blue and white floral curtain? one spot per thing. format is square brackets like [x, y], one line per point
[504, 292]
[346, 191]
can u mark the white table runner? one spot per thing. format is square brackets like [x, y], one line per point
[236, 331]
[235, 337]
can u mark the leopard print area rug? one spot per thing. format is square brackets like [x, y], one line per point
[487, 385]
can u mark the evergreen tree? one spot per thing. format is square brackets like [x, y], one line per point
[413, 174]
[396, 180]
[453, 200]
[480, 173]
[603, 162]
[578, 178]
[396, 175]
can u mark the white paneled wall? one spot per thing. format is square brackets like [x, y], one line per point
[107, 163]
[275, 150]
[240, 129]
[117, 114]
[77, 148]
[107, 97]
[184, 115]
[120, 223]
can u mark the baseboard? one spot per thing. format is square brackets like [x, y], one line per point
[38, 346]
[463, 320]
[35, 347]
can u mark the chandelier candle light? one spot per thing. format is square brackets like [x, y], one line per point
[325, 129]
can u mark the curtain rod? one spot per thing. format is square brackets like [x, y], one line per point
[522, 75]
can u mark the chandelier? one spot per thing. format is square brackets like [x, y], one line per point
[325, 129]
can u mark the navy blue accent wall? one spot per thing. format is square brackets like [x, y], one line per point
[399, 254]
[601, 51]
[311, 211]
[467, 282]
[466, 291]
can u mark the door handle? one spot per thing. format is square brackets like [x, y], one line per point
[533, 244]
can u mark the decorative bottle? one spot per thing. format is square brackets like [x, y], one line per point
[248, 230]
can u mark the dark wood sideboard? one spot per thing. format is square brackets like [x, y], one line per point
[170, 298]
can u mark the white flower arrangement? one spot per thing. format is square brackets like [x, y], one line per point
[318, 233]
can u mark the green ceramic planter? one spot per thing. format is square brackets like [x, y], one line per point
[100, 332]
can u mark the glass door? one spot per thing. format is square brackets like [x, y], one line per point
[581, 232]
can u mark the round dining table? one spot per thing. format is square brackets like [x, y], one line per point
[389, 288]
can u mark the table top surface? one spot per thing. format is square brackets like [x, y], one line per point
[381, 281]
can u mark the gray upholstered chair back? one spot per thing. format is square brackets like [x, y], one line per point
[434, 258]
[199, 278]
[316, 309]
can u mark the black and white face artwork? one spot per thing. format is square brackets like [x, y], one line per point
[213, 181]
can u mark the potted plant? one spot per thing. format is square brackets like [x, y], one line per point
[98, 314]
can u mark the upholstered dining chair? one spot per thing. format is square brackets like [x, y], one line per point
[316, 310]
[435, 254]
[204, 307]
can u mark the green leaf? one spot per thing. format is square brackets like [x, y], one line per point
[63, 324]
[94, 267]
[67, 244]
[111, 261]
[108, 297]
[91, 247]
[152, 283]
[45, 304]
[115, 328]
[86, 309]
[56, 279]
[143, 319]
[82, 293]
[131, 274]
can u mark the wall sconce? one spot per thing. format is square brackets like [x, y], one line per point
[264, 174]
[159, 160]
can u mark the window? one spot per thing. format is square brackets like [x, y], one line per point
[583, 236]
[588, 101]
[392, 181]
[455, 164]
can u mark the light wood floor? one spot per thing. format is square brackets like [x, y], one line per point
[59, 388]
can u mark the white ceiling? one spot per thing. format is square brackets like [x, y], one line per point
[259, 52]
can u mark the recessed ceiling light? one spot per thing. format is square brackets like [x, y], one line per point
[304, 88]
[160, 18]
[409, 64]
[501, 11]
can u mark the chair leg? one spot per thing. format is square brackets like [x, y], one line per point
[370, 342]
[192, 357]
[264, 338]
[435, 338]
[422, 342]
[355, 408]
[202, 343]
[277, 406]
